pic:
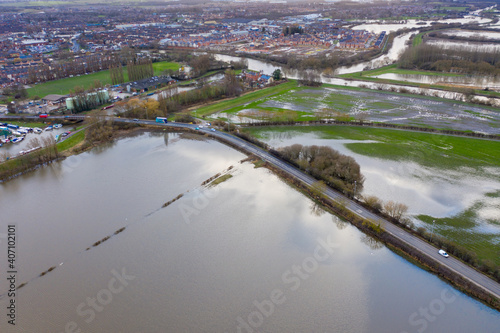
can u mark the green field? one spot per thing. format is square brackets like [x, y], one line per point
[246, 98]
[63, 86]
[159, 67]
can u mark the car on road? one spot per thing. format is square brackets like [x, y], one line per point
[197, 128]
[213, 129]
[136, 119]
[443, 253]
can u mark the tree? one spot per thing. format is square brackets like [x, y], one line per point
[395, 210]
[277, 74]
[373, 202]
[231, 84]
[318, 189]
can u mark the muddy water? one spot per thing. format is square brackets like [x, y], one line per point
[214, 260]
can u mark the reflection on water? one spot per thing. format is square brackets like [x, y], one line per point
[205, 263]
[431, 191]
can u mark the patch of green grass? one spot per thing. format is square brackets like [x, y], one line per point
[455, 9]
[71, 141]
[221, 179]
[493, 194]
[259, 164]
[459, 229]
[244, 99]
[26, 124]
[63, 86]
[159, 67]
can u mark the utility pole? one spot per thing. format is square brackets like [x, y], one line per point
[432, 230]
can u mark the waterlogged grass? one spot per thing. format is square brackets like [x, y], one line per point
[460, 229]
[221, 179]
[393, 69]
[63, 86]
[432, 150]
[71, 141]
[467, 228]
[247, 98]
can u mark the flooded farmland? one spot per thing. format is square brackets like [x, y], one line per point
[209, 262]
[380, 107]
[463, 198]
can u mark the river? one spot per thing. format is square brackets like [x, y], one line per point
[399, 46]
[250, 252]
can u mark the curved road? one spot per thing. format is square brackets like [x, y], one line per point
[476, 277]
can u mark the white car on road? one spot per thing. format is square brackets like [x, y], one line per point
[443, 253]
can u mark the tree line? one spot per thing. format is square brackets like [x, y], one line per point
[139, 69]
[85, 100]
[79, 66]
[171, 102]
[456, 60]
[337, 170]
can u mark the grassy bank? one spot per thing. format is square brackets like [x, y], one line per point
[71, 141]
[246, 98]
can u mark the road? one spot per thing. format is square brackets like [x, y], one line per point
[423, 247]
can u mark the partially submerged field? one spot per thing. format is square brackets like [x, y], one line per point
[291, 102]
[452, 180]
[63, 86]
[427, 79]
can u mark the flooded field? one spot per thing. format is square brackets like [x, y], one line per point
[438, 177]
[309, 103]
[471, 46]
[379, 26]
[476, 82]
[213, 260]
[473, 33]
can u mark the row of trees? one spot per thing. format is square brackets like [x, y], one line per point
[85, 100]
[170, 101]
[291, 30]
[116, 74]
[80, 66]
[339, 171]
[46, 153]
[139, 69]
[457, 60]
